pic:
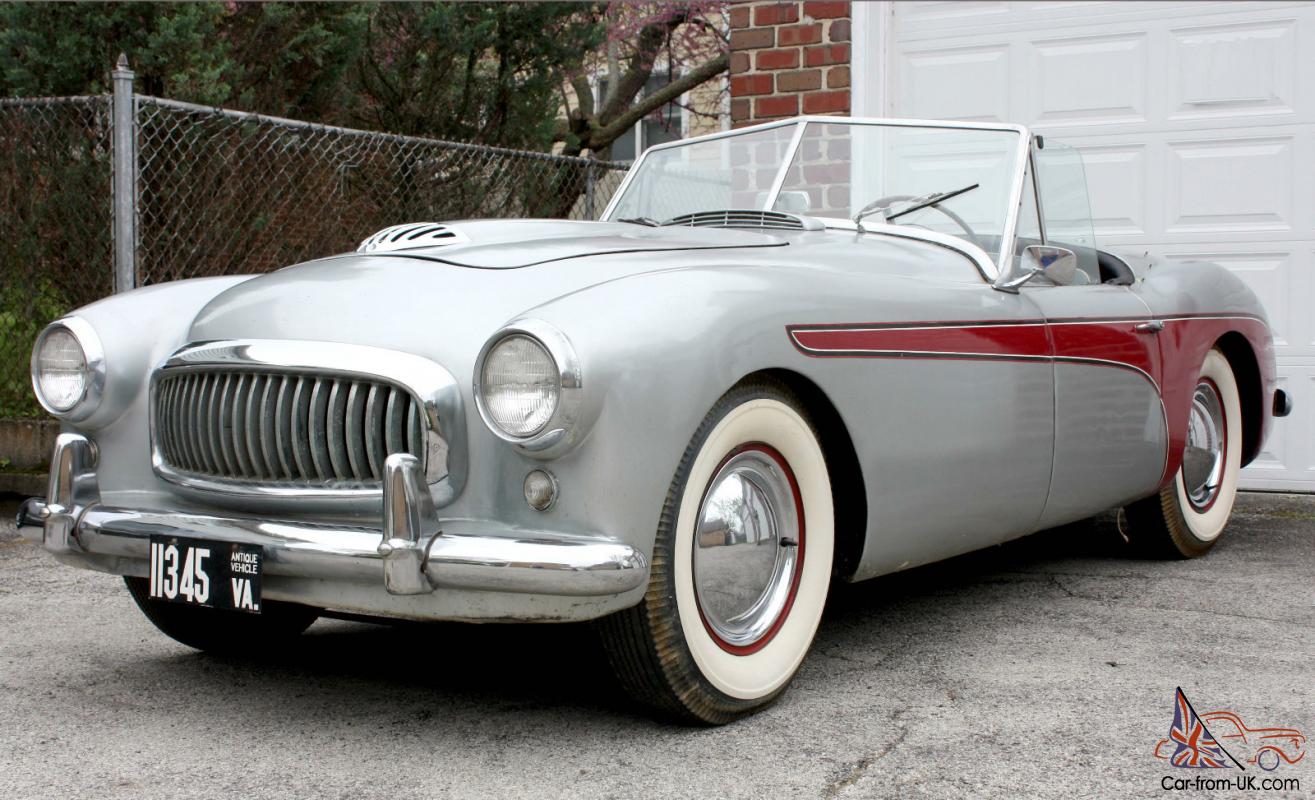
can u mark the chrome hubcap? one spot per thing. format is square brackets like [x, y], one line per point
[747, 547]
[1203, 459]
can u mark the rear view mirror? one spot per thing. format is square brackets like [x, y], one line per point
[1057, 264]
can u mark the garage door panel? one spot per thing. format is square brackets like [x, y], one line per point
[953, 12]
[1236, 70]
[969, 83]
[1116, 182]
[1089, 80]
[1230, 184]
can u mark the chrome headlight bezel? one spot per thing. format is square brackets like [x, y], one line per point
[93, 356]
[560, 427]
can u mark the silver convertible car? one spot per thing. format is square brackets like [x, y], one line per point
[816, 350]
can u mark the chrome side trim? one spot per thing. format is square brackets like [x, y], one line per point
[430, 386]
[560, 431]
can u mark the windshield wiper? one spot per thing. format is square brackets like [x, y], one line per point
[930, 200]
[916, 204]
[652, 223]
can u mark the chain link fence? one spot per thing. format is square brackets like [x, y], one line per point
[222, 191]
[215, 191]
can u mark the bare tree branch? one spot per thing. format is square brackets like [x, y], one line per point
[612, 130]
[639, 66]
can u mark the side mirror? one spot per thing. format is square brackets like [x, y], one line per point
[1059, 265]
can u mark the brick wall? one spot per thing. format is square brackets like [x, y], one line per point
[789, 57]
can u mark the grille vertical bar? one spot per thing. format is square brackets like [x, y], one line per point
[355, 430]
[373, 424]
[262, 427]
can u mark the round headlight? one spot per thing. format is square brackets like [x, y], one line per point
[67, 368]
[520, 385]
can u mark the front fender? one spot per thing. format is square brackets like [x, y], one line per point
[138, 330]
[657, 351]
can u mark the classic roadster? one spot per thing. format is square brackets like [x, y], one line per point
[813, 350]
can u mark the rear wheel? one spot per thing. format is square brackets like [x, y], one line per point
[741, 564]
[221, 631]
[1188, 515]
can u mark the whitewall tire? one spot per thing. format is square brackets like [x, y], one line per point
[1188, 515]
[741, 564]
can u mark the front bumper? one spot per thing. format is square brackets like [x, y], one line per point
[386, 571]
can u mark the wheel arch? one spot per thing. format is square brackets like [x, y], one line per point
[848, 487]
[1250, 388]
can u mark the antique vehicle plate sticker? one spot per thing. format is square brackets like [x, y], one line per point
[203, 572]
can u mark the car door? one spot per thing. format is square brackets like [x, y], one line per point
[951, 418]
[1110, 430]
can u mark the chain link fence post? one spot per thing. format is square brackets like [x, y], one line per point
[590, 212]
[125, 178]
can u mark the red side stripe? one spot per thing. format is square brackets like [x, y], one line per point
[984, 340]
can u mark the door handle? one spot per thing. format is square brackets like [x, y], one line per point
[1154, 326]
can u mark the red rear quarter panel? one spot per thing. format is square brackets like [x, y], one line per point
[1200, 303]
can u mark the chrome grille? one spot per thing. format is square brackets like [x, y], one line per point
[280, 428]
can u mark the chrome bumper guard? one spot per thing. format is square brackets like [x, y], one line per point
[411, 555]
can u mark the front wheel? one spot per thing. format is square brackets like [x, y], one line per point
[222, 631]
[1186, 518]
[741, 564]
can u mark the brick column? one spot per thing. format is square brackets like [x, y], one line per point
[789, 57]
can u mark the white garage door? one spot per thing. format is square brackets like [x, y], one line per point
[1196, 121]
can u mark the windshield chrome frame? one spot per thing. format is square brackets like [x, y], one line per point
[991, 271]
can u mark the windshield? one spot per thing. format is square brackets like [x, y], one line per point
[711, 175]
[964, 178]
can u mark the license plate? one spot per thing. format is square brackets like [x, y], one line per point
[203, 572]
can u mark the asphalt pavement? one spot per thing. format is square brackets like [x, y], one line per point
[1042, 668]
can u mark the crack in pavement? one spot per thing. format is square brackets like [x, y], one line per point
[1214, 613]
[860, 767]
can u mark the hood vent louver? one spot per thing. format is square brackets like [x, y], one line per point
[412, 235]
[764, 220]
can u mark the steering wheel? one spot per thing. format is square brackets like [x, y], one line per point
[958, 220]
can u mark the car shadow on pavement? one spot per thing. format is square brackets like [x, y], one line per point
[427, 669]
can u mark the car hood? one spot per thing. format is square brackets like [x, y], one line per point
[444, 301]
[513, 244]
